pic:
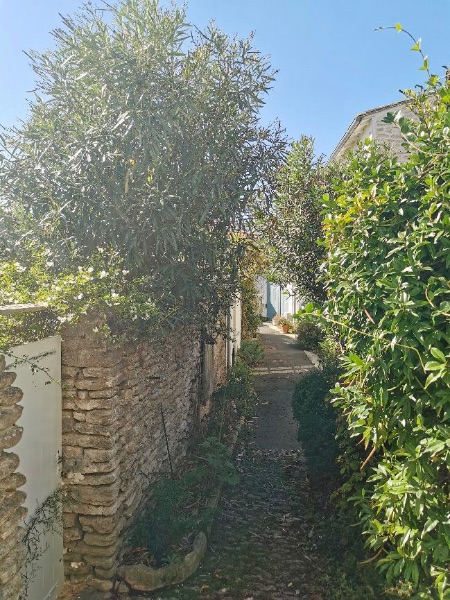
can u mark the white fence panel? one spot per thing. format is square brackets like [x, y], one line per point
[39, 451]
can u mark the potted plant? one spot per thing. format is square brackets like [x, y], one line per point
[284, 324]
[276, 320]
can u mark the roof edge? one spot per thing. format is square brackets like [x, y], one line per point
[357, 120]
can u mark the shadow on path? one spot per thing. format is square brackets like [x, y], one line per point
[261, 545]
[274, 382]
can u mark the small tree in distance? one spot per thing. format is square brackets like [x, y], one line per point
[293, 227]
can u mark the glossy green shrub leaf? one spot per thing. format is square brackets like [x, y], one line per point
[387, 235]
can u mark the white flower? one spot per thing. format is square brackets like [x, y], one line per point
[103, 274]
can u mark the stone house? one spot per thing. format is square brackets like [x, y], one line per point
[369, 124]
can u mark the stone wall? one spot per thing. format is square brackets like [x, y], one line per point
[12, 513]
[213, 372]
[219, 362]
[113, 438]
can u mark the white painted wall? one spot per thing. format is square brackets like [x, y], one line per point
[234, 332]
[261, 286]
[39, 451]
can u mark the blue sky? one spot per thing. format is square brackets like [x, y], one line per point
[332, 64]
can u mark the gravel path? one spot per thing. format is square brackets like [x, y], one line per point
[261, 544]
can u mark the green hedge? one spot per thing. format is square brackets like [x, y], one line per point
[317, 420]
[388, 241]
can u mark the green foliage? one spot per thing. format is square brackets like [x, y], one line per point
[252, 266]
[309, 335]
[251, 352]
[179, 506]
[317, 419]
[218, 467]
[388, 243]
[293, 226]
[143, 142]
[102, 284]
[251, 318]
[238, 389]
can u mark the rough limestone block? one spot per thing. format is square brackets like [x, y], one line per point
[100, 584]
[8, 463]
[10, 396]
[10, 526]
[10, 543]
[94, 416]
[10, 437]
[70, 534]
[67, 421]
[142, 578]
[105, 562]
[104, 467]
[13, 589]
[109, 393]
[7, 378]
[77, 568]
[14, 481]
[86, 550]
[11, 564]
[78, 356]
[92, 509]
[98, 539]
[90, 403]
[101, 524]
[101, 495]
[69, 520]
[95, 384]
[88, 441]
[96, 428]
[97, 456]
[107, 574]
[99, 479]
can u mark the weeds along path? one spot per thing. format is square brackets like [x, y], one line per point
[261, 544]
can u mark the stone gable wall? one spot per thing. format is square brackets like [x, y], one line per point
[113, 437]
[390, 134]
[384, 133]
[12, 513]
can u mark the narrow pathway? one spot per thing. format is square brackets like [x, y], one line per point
[274, 383]
[261, 547]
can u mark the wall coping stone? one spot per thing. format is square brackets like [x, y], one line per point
[12, 309]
